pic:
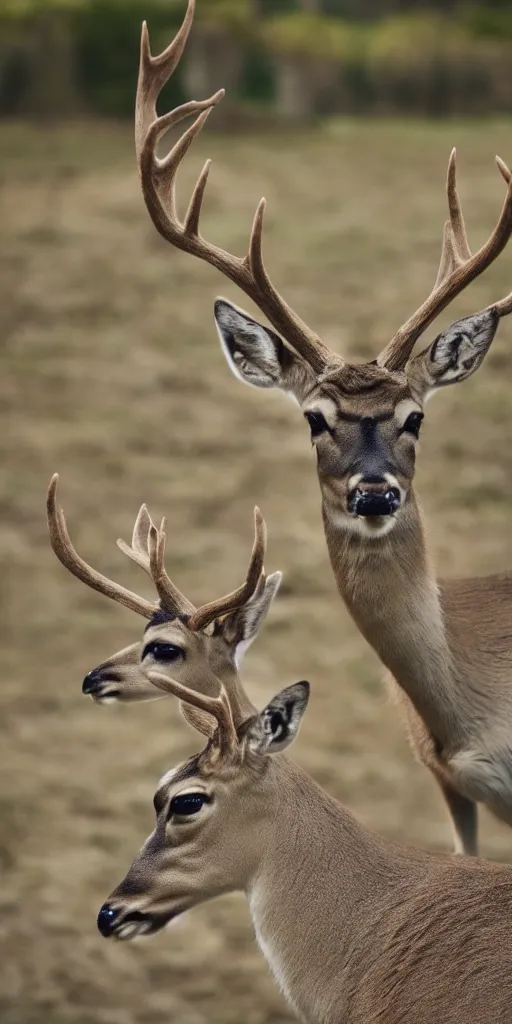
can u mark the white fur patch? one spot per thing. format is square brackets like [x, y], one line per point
[361, 526]
[326, 407]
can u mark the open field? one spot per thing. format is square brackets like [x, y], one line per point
[112, 375]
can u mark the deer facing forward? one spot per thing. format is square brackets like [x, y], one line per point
[447, 644]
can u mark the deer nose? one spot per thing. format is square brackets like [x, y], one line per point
[374, 496]
[107, 919]
[92, 681]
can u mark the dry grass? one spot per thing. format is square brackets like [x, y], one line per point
[112, 375]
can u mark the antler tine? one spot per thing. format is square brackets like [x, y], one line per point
[455, 248]
[170, 597]
[158, 187]
[138, 552]
[63, 548]
[458, 267]
[219, 707]
[208, 612]
[504, 306]
[154, 72]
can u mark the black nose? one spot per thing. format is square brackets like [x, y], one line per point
[107, 918]
[92, 681]
[374, 503]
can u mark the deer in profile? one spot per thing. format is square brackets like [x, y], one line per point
[355, 928]
[199, 644]
[446, 643]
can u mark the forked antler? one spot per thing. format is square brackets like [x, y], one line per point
[458, 267]
[63, 548]
[158, 187]
[148, 550]
[208, 612]
[218, 707]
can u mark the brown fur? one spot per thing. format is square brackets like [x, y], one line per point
[395, 602]
[447, 645]
[356, 929]
[449, 648]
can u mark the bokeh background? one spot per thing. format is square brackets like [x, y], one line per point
[343, 114]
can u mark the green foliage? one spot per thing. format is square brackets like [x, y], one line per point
[107, 46]
[489, 22]
[59, 57]
[234, 15]
[311, 35]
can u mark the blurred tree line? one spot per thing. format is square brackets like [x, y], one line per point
[60, 58]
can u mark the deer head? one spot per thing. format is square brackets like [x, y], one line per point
[196, 644]
[364, 419]
[226, 798]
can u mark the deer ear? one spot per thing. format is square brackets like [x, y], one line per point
[456, 353]
[240, 627]
[255, 354]
[199, 720]
[278, 724]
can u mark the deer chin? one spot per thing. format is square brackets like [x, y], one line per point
[139, 925]
[369, 527]
[110, 697]
[373, 527]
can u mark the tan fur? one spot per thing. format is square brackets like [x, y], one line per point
[206, 642]
[449, 648]
[357, 930]
[447, 644]
[205, 658]
[447, 670]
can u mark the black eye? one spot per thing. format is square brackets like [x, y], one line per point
[317, 423]
[189, 803]
[413, 423]
[159, 802]
[163, 652]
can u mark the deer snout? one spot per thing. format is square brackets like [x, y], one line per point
[374, 496]
[119, 923]
[100, 684]
[107, 919]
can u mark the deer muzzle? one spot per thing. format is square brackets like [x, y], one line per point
[368, 502]
[114, 922]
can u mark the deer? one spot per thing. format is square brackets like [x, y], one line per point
[355, 928]
[199, 643]
[446, 644]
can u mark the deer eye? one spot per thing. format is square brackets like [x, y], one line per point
[189, 803]
[317, 422]
[413, 423]
[161, 651]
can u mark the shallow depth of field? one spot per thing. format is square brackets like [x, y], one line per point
[112, 374]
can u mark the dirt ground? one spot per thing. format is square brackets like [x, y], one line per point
[112, 375]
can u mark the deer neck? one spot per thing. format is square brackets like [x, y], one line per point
[242, 708]
[389, 587]
[315, 894]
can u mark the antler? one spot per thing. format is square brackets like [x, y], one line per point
[458, 267]
[158, 187]
[150, 556]
[66, 554]
[219, 707]
[148, 550]
[208, 612]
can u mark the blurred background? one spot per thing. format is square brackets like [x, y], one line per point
[343, 114]
[296, 57]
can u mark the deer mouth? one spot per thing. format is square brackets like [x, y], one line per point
[107, 696]
[125, 927]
